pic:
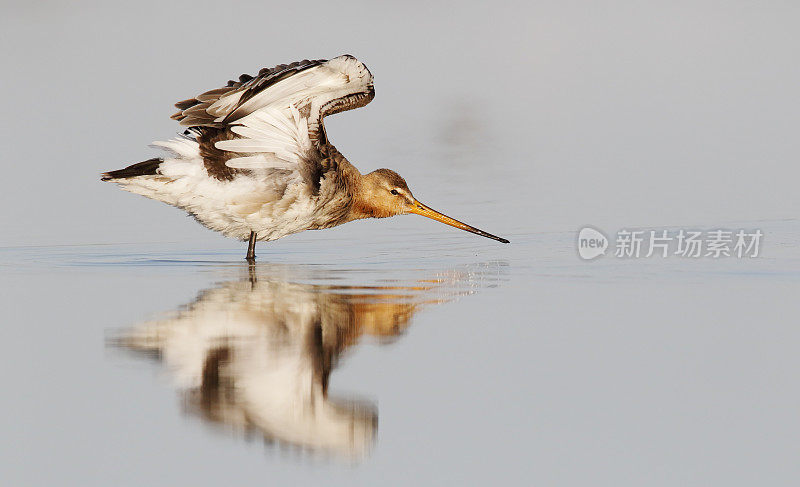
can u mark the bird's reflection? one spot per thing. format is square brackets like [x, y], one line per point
[255, 354]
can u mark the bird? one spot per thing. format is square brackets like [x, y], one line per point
[255, 162]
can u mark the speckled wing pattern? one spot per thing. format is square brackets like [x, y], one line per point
[274, 120]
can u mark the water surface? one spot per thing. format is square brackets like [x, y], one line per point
[164, 364]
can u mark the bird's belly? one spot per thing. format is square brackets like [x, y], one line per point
[270, 213]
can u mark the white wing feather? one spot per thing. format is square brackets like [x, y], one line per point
[274, 137]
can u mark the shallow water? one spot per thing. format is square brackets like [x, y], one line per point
[163, 364]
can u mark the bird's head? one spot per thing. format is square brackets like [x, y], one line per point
[383, 193]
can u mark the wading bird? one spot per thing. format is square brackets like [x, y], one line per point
[255, 162]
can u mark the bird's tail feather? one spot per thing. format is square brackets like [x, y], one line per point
[144, 168]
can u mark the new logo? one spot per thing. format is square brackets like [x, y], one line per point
[591, 243]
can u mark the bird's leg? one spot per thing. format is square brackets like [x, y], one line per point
[251, 248]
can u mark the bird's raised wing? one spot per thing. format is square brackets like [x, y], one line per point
[275, 118]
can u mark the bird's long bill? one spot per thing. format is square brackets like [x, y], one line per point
[423, 210]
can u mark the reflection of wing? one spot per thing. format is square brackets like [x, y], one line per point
[275, 118]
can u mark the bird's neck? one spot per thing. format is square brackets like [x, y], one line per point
[354, 181]
[358, 189]
[348, 181]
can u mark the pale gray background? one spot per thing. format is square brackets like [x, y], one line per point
[528, 120]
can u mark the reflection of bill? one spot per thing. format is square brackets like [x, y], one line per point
[256, 354]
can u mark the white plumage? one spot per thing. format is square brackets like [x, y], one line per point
[270, 144]
[278, 137]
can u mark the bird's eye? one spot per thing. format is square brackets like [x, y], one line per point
[394, 191]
